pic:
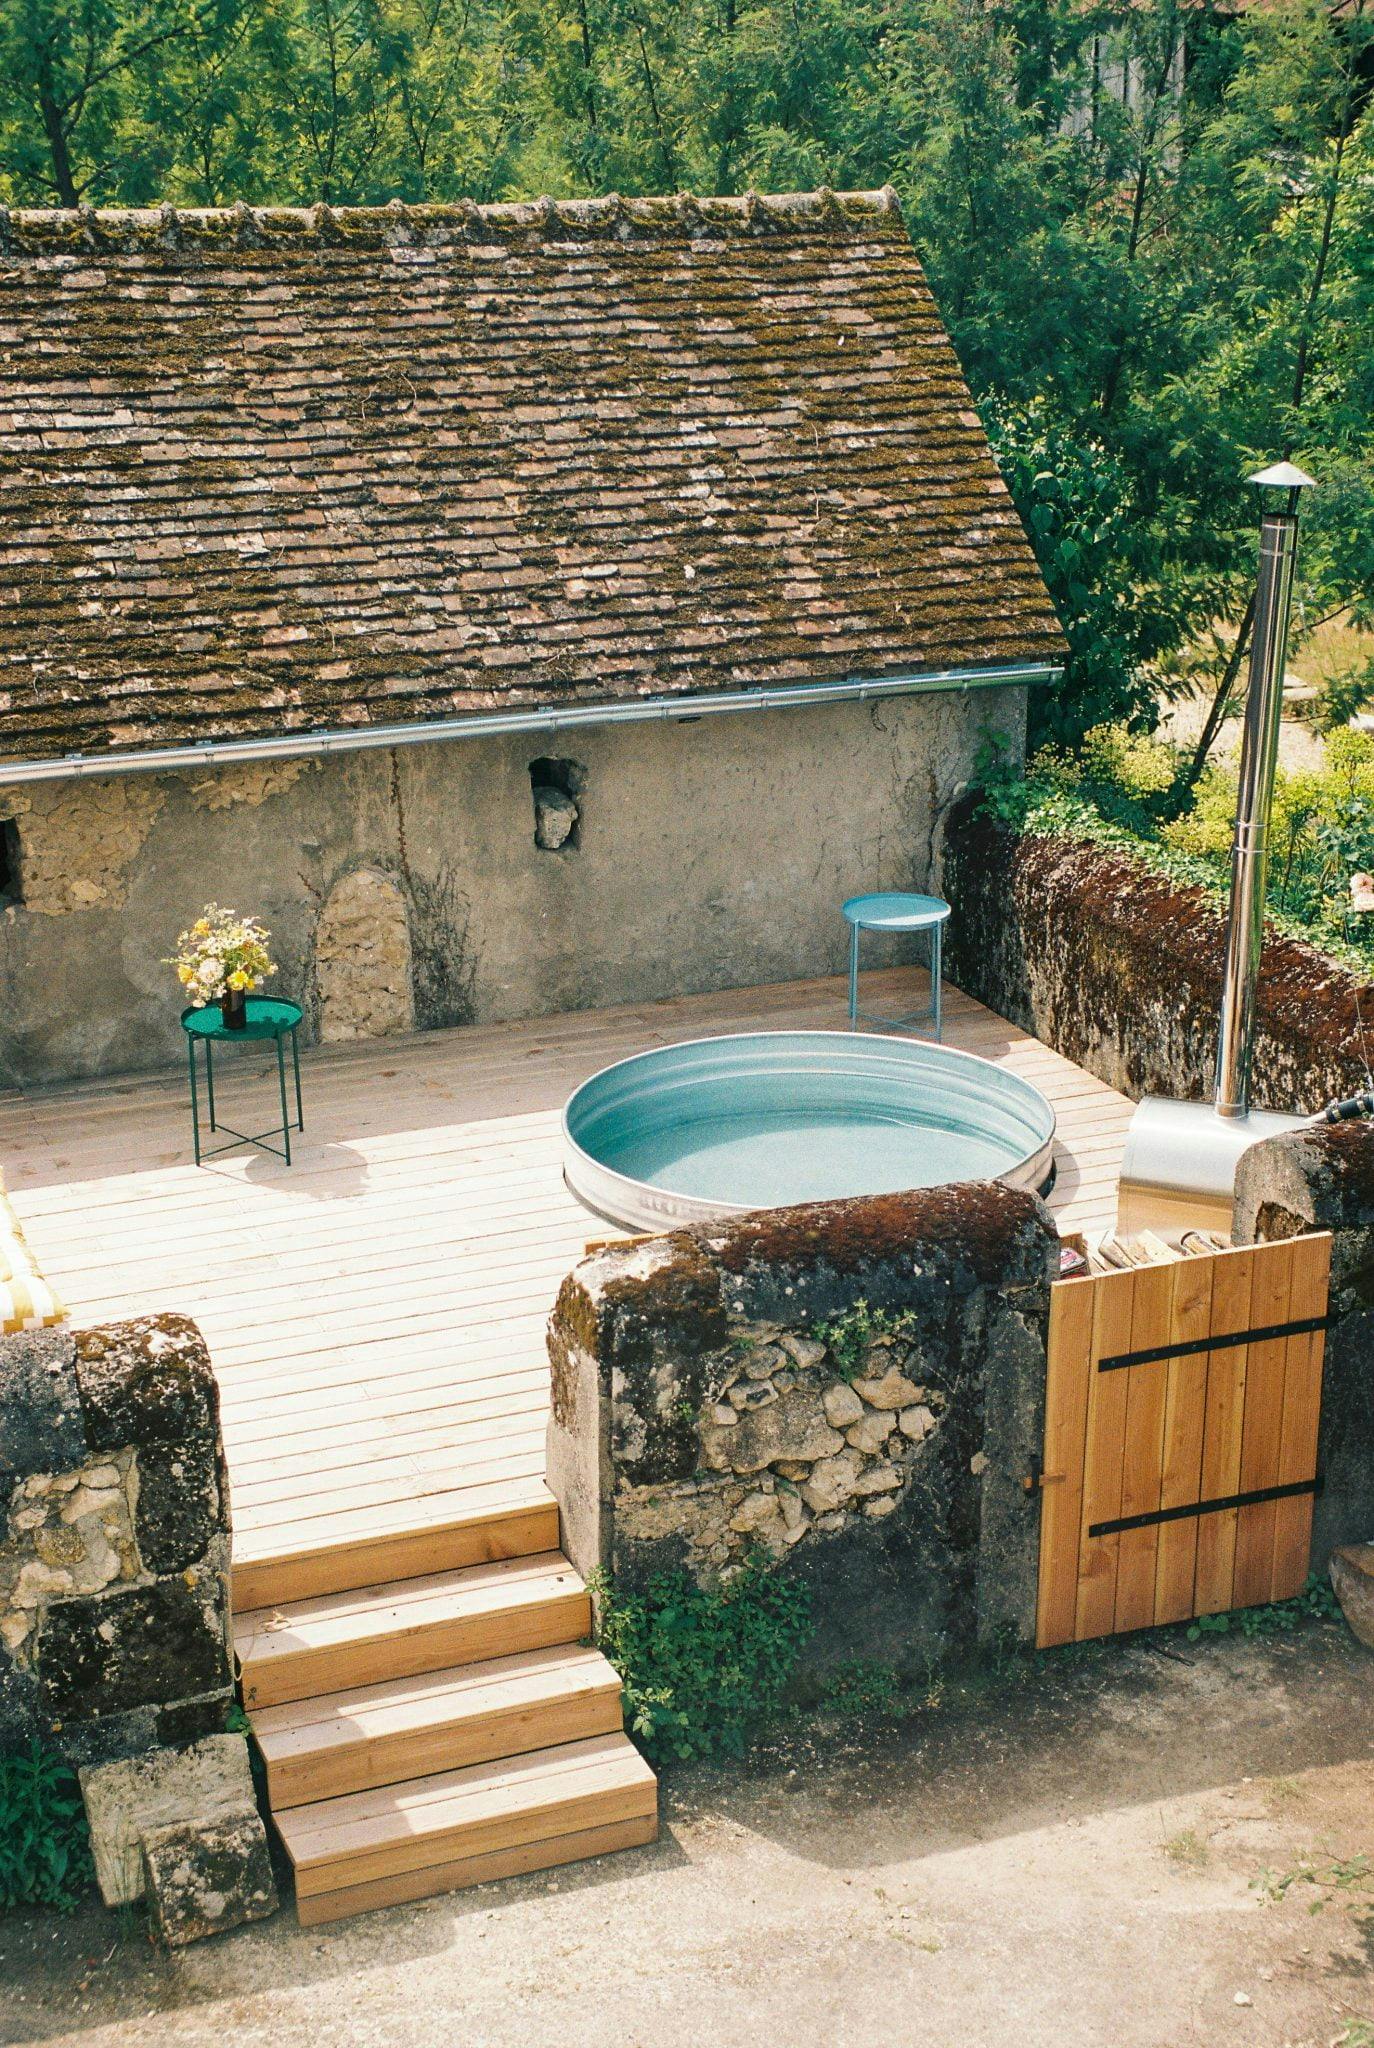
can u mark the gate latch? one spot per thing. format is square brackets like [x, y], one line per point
[1038, 1476]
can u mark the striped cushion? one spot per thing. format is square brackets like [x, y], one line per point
[26, 1300]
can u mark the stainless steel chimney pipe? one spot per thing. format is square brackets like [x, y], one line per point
[1179, 1166]
[1255, 795]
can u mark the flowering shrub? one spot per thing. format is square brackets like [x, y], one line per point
[220, 952]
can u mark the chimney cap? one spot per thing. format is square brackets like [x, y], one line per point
[1283, 476]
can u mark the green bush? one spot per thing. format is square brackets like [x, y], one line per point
[45, 1852]
[703, 1667]
[1126, 791]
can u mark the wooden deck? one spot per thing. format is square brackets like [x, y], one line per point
[376, 1312]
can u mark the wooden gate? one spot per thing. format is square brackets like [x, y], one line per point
[1181, 1413]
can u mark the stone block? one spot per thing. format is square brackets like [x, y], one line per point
[1352, 1575]
[792, 1427]
[890, 1390]
[207, 1875]
[555, 817]
[40, 1409]
[149, 1383]
[133, 1647]
[169, 1788]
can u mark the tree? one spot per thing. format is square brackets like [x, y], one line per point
[68, 69]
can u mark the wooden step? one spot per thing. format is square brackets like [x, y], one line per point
[462, 1871]
[342, 1640]
[456, 1828]
[402, 1539]
[441, 1720]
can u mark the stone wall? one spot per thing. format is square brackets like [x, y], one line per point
[1121, 971]
[708, 853]
[857, 1387]
[1324, 1180]
[114, 1540]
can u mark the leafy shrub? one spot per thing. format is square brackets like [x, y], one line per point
[45, 1853]
[1321, 829]
[1114, 792]
[703, 1667]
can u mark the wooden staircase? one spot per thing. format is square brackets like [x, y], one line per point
[428, 1711]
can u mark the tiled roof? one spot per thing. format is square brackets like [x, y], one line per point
[265, 472]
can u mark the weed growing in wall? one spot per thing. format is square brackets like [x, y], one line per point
[703, 1667]
[45, 1851]
[848, 1337]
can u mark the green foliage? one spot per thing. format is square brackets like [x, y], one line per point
[703, 1667]
[1328, 1876]
[1316, 1602]
[848, 1336]
[1129, 792]
[863, 1690]
[1078, 507]
[45, 1857]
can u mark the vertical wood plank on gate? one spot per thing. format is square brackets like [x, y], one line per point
[1069, 1364]
[1103, 1455]
[1302, 1402]
[1143, 1468]
[1232, 1274]
[1262, 1430]
[1185, 1410]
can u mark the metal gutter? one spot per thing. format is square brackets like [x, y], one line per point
[500, 724]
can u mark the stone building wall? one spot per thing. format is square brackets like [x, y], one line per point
[857, 1387]
[1121, 971]
[429, 887]
[114, 1540]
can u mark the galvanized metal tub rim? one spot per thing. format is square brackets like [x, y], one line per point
[919, 1083]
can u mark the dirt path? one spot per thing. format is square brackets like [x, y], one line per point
[1082, 1862]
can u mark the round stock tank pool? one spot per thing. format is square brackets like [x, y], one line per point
[764, 1119]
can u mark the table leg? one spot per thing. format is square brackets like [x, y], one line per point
[195, 1101]
[935, 936]
[210, 1079]
[296, 1067]
[281, 1083]
[853, 977]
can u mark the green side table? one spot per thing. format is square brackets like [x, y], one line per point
[266, 1019]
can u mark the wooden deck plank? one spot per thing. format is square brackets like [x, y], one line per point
[376, 1312]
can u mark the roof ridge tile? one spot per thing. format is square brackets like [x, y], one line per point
[56, 230]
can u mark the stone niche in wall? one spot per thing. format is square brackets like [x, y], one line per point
[363, 968]
[856, 1388]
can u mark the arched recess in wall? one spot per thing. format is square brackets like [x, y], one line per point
[362, 958]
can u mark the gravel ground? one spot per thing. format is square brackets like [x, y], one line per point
[1106, 1855]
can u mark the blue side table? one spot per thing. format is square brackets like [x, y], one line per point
[266, 1019]
[896, 912]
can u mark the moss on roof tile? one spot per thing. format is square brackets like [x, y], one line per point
[273, 469]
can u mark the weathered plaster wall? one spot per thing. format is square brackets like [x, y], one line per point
[114, 1540]
[1121, 971]
[704, 1403]
[710, 853]
[1324, 1180]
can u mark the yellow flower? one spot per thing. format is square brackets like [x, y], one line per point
[238, 979]
[184, 976]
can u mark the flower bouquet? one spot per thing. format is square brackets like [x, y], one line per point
[221, 959]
